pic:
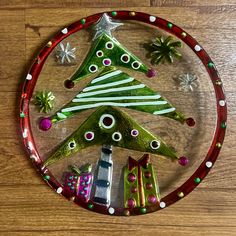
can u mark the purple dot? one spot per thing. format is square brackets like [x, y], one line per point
[152, 199]
[151, 73]
[134, 132]
[183, 161]
[45, 124]
[107, 62]
[89, 135]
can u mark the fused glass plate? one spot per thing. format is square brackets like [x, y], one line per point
[123, 113]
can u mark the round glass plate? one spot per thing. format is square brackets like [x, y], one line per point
[123, 113]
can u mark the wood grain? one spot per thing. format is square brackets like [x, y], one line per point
[28, 206]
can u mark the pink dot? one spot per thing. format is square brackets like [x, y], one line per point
[148, 185]
[45, 124]
[183, 161]
[131, 203]
[147, 174]
[107, 62]
[151, 73]
[152, 199]
[133, 189]
[131, 177]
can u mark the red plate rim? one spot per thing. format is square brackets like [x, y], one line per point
[219, 134]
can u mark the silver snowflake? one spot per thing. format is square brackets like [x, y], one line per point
[105, 25]
[65, 54]
[187, 82]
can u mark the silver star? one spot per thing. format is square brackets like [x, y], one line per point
[187, 82]
[65, 54]
[105, 25]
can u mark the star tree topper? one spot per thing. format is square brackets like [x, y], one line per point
[105, 25]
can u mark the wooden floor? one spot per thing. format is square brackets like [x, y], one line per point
[28, 206]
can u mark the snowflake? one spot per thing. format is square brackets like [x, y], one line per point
[65, 54]
[187, 82]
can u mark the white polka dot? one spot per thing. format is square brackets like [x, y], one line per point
[88, 134]
[109, 45]
[155, 144]
[59, 190]
[222, 103]
[99, 53]
[197, 48]
[116, 136]
[29, 77]
[162, 204]
[208, 164]
[65, 31]
[125, 58]
[33, 157]
[93, 68]
[30, 146]
[25, 133]
[103, 117]
[111, 210]
[136, 65]
[152, 18]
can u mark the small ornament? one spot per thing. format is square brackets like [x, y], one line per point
[65, 54]
[105, 25]
[44, 100]
[163, 49]
[187, 82]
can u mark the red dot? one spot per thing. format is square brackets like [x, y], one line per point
[107, 121]
[69, 84]
[190, 122]
[131, 203]
[133, 189]
[147, 174]
[148, 185]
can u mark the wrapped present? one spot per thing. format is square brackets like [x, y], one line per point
[79, 182]
[140, 185]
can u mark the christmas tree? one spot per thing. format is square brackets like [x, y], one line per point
[110, 90]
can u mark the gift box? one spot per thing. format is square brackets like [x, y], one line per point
[140, 185]
[79, 183]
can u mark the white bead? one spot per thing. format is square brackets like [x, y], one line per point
[162, 204]
[25, 133]
[30, 146]
[152, 18]
[197, 48]
[222, 103]
[208, 164]
[29, 77]
[65, 31]
[111, 210]
[59, 190]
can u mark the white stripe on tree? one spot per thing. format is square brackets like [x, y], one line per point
[110, 90]
[164, 111]
[82, 107]
[117, 72]
[108, 84]
[97, 99]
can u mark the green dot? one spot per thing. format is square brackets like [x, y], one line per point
[83, 21]
[22, 115]
[197, 180]
[46, 177]
[211, 65]
[223, 125]
[169, 25]
[143, 210]
[90, 206]
[114, 13]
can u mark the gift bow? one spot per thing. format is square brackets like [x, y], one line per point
[87, 168]
[143, 161]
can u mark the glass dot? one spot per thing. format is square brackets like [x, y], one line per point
[162, 204]
[125, 58]
[209, 164]
[136, 65]
[99, 53]
[107, 121]
[109, 45]
[155, 144]
[93, 68]
[116, 136]
[72, 145]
